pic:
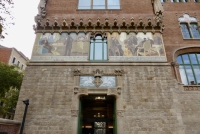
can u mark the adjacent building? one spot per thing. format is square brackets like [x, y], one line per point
[12, 56]
[114, 67]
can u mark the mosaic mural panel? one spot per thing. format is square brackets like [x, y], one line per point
[59, 45]
[135, 44]
[121, 47]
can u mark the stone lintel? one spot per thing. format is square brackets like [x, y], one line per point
[10, 122]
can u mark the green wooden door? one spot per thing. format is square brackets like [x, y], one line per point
[115, 118]
[80, 117]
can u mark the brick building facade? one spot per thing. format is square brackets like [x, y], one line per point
[12, 56]
[114, 66]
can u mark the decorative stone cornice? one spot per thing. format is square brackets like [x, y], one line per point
[97, 26]
[192, 88]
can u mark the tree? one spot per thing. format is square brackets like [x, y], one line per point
[8, 103]
[5, 13]
[10, 77]
[11, 80]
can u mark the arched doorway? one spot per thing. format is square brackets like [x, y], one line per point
[97, 114]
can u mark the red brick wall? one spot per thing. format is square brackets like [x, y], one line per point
[10, 129]
[5, 54]
[143, 9]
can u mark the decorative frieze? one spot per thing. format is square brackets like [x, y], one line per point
[98, 72]
[192, 88]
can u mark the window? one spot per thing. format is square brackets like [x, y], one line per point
[18, 63]
[196, 0]
[189, 27]
[98, 49]
[189, 68]
[99, 4]
[185, 31]
[163, 0]
[13, 61]
[179, 0]
[22, 66]
[190, 30]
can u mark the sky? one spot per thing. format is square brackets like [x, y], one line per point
[21, 35]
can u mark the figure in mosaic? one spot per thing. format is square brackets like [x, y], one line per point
[68, 43]
[131, 44]
[116, 48]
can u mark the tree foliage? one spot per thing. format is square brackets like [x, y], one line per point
[9, 102]
[5, 13]
[10, 83]
[10, 77]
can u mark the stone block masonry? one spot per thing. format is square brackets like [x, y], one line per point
[153, 102]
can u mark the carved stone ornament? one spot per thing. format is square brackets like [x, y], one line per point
[97, 81]
[76, 90]
[77, 72]
[157, 6]
[41, 11]
[119, 90]
[174, 64]
[158, 10]
[119, 72]
[120, 113]
[74, 113]
[97, 78]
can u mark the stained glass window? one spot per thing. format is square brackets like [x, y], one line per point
[189, 68]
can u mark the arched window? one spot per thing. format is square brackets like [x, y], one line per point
[98, 49]
[189, 27]
[189, 68]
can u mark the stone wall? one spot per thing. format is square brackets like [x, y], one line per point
[152, 101]
[9, 126]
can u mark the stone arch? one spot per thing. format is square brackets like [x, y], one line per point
[183, 50]
[179, 51]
